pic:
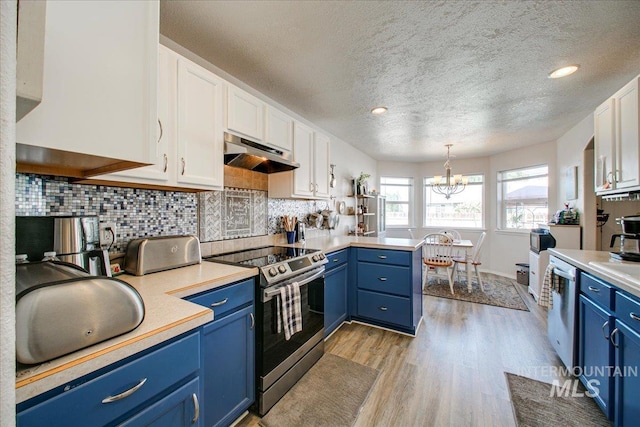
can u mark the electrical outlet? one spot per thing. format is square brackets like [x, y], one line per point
[106, 238]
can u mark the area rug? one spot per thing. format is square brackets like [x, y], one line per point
[534, 405]
[498, 291]
[330, 394]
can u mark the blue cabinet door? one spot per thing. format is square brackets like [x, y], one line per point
[335, 298]
[228, 367]
[179, 409]
[595, 353]
[627, 377]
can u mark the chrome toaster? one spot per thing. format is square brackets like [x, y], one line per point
[153, 254]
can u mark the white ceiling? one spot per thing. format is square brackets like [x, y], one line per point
[469, 73]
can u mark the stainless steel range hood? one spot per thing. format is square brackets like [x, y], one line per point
[246, 154]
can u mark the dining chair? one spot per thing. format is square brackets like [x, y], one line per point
[410, 233]
[437, 254]
[474, 260]
[456, 236]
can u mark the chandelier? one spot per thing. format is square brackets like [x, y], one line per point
[453, 184]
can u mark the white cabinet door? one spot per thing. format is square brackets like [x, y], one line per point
[628, 138]
[163, 168]
[321, 159]
[605, 135]
[200, 136]
[245, 113]
[303, 184]
[100, 81]
[279, 129]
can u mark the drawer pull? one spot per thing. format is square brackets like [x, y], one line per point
[382, 256]
[594, 289]
[615, 331]
[196, 408]
[124, 394]
[219, 303]
[253, 321]
[382, 279]
[634, 316]
[382, 308]
[604, 334]
[336, 260]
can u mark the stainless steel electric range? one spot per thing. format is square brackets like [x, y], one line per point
[280, 363]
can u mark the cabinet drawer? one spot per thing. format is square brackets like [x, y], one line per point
[385, 256]
[82, 404]
[628, 310]
[384, 308]
[224, 300]
[391, 279]
[596, 290]
[337, 258]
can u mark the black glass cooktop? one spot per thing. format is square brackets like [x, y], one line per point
[260, 257]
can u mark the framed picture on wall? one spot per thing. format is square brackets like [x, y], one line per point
[571, 183]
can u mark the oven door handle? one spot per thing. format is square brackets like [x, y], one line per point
[271, 292]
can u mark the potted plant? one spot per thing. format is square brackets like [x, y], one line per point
[361, 182]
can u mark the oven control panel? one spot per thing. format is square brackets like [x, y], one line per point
[277, 272]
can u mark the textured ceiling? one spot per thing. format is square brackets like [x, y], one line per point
[473, 74]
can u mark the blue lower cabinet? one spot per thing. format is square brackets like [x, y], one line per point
[390, 309]
[228, 359]
[627, 378]
[228, 367]
[130, 388]
[180, 408]
[335, 298]
[595, 353]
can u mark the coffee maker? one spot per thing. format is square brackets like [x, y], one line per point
[628, 242]
[75, 239]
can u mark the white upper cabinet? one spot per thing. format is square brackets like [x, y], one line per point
[617, 140]
[245, 113]
[311, 180]
[278, 129]
[321, 159]
[200, 135]
[98, 109]
[303, 183]
[188, 149]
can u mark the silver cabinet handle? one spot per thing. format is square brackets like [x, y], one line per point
[311, 186]
[604, 334]
[196, 408]
[594, 289]
[336, 260]
[166, 163]
[382, 279]
[183, 164]
[613, 333]
[253, 321]
[316, 188]
[219, 303]
[383, 308]
[382, 256]
[124, 394]
[161, 130]
[634, 316]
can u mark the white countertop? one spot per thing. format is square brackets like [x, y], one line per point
[334, 243]
[623, 274]
[166, 316]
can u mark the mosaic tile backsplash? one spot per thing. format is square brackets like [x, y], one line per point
[143, 213]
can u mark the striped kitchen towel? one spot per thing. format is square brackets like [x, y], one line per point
[290, 311]
[549, 284]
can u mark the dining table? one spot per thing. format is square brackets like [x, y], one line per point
[467, 247]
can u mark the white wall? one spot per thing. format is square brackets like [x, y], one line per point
[570, 152]
[8, 12]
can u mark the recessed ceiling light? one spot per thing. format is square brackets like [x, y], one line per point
[379, 110]
[563, 72]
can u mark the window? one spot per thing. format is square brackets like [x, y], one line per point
[462, 210]
[399, 200]
[522, 194]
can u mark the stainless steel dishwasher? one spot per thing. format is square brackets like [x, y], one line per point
[561, 321]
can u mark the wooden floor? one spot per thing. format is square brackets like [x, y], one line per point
[452, 372]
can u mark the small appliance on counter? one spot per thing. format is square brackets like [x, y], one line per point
[153, 254]
[60, 308]
[540, 239]
[74, 239]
